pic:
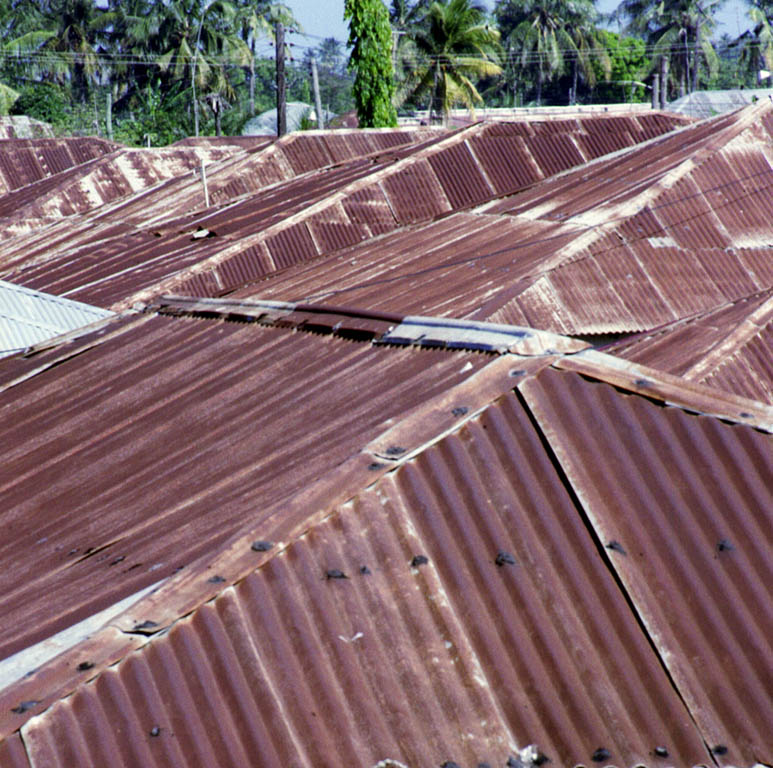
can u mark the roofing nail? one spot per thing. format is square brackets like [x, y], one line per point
[25, 706]
[600, 755]
[155, 731]
[334, 573]
[724, 546]
[617, 546]
[261, 546]
[419, 560]
[364, 570]
[215, 579]
[459, 410]
[504, 558]
[395, 450]
[661, 751]
[374, 466]
[84, 666]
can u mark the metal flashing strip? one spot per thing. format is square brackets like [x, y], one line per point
[482, 336]
[669, 389]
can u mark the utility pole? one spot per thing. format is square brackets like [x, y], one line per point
[655, 90]
[317, 99]
[281, 97]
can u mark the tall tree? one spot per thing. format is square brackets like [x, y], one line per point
[455, 48]
[371, 59]
[757, 43]
[679, 29]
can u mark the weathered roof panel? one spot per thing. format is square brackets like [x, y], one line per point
[690, 536]
[30, 317]
[159, 426]
[346, 645]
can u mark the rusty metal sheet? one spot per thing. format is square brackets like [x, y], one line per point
[427, 620]
[190, 428]
[728, 348]
[554, 154]
[749, 371]
[506, 161]
[415, 194]
[682, 505]
[369, 206]
[25, 161]
[13, 754]
[460, 176]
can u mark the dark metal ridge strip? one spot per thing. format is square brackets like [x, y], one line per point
[379, 327]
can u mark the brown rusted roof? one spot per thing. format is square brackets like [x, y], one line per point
[25, 161]
[504, 576]
[623, 244]
[140, 439]
[729, 349]
[24, 127]
[310, 216]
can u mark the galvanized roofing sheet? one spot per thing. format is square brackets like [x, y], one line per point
[159, 427]
[460, 608]
[30, 317]
[346, 204]
[650, 248]
[23, 127]
[25, 161]
[689, 535]
[729, 348]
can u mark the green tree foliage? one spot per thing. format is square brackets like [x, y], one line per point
[371, 39]
[757, 43]
[455, 47]
[629, 65]
[678, 29]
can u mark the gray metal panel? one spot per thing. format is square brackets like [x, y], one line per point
[29, 317]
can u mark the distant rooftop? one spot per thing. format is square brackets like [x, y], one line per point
[29, 317]
[703, 104]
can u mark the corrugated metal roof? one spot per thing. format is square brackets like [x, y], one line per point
[23, 127]
[690, 538]
[159, 427]
[430, 617]
[25, 161]
[381, 193]
[729, 349]
[30, 317]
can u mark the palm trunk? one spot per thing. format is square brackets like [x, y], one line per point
[573, 91]
[539, 85]
[696, 57]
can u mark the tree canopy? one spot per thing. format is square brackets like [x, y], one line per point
[370, 37]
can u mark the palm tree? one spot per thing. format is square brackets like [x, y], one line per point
[674, 28]
[60, 37]
[757, 50]
[454, 46]
[543, 40]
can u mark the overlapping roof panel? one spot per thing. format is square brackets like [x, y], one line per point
[429, 618]
[190, 430]
[29, 317]
[728, 349]
[396, 187]
[25, 161]
[689, 536]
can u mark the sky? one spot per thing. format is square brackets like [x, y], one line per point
[324, 18]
